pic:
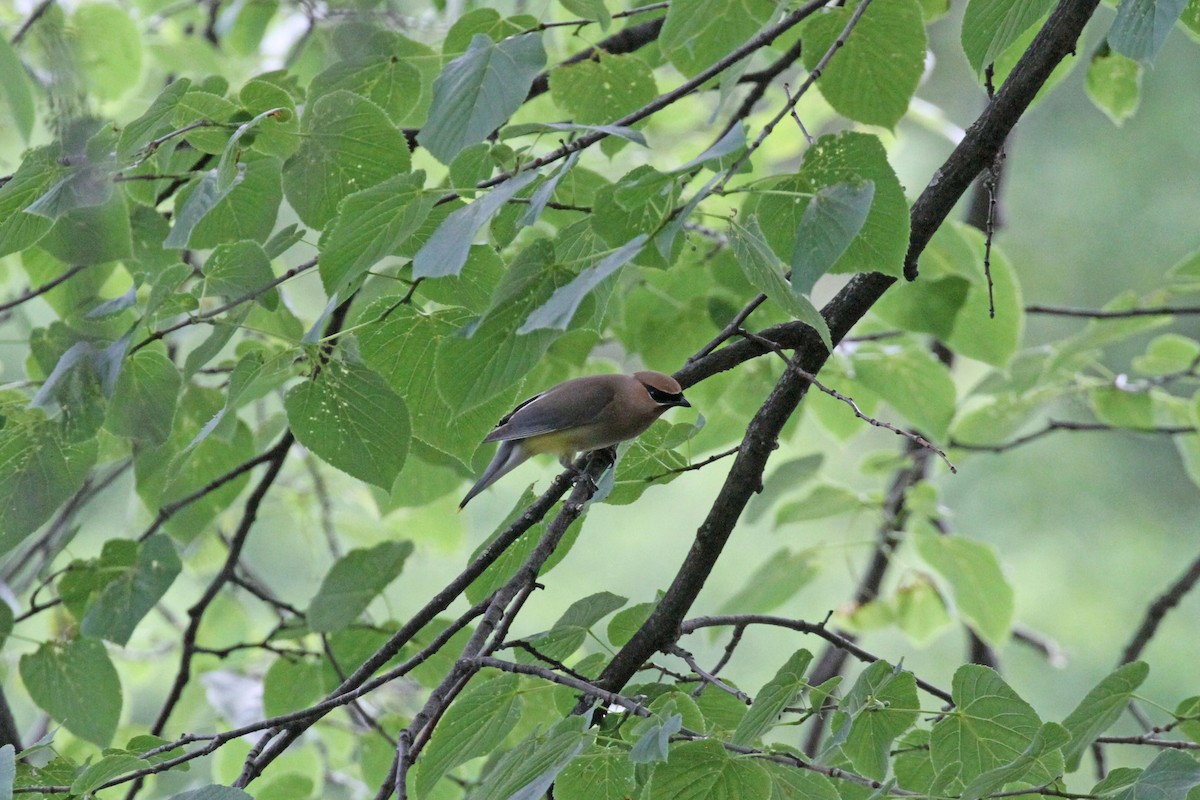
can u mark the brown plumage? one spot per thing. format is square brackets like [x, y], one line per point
[576, 416]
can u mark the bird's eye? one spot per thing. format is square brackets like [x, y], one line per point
[661, 397]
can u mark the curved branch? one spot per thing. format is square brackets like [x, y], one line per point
[974, 154]
[817, 629]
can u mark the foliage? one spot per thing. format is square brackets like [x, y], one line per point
[272, 272]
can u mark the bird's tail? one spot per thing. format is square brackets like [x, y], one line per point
[508, 457]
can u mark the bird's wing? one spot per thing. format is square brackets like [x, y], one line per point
[536, 416]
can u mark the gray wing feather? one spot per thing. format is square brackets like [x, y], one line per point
[535, 416]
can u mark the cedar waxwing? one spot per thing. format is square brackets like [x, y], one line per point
[576, 416]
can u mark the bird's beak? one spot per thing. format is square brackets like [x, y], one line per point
[682, 401]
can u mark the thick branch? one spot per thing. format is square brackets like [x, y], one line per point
[973, 155]
[1054, 42]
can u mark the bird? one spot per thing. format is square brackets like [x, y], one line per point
[578, 415]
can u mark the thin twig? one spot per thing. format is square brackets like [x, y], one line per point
[1078, 427]
[915, 438]
[234, 303]
[697, 465]
[706, 677]
[1152, 311]
[29, 294]
[836, 639]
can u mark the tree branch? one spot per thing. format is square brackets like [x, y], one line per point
[974, 154]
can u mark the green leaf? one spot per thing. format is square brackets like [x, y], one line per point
[983, 597]
[652, 738]
[762, 268]
[651, 454]
[880, 706]
[241, 269]
[528, 770]
[353, 582]
[776, 695]
[144, 400]
[913, 382]
[243, 28]
[389, 81]
[991, 26]
[478, 91]
[1188, 711]
[570, 632]
[447, 249]
[991, 419]
[91, 234]
[1172, 773]
[833, 218]
[109, 48]
[110, 766]
[1117, 779]
[704, 770]
[789, 783]
[190, 210]
[874, 75]
[558, 311]
[1114, 83]
[39, 470]
[1102, 706]
[472, 370]
[248, 211]
[1049, 737]
[784, 478]
[214, 112]
[18, 228]
[347, 144]
[596, 91]
[1142, 26]
[598, 773]
[641, 202]
[774, 583]
[228, 168]
[486, 21]
[402, 348]
[990, 726]
[1168, 354]
[212, 792]
[275, 116]
[976, 333]
[1122, 408]
[77, 685]
[590, 9]
[626, 622]
[133, 592]
[292, 683]
[349, 417]
[474, 725]
[15, 84]
[369, 226]
[920, 610]
[697, 33]
[824, 500]
[845, 158]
